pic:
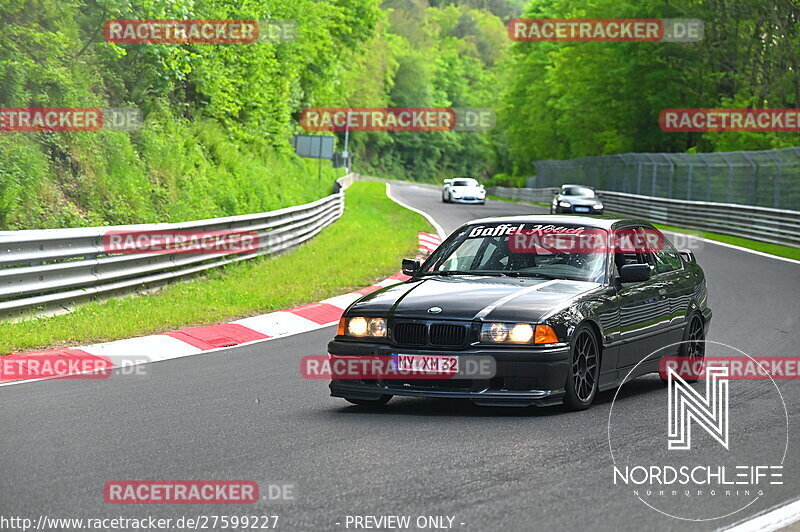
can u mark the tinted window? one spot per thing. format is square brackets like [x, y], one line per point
[667, 259]
[486, 250]
[463, 183]
[641, 256]
[577, 191]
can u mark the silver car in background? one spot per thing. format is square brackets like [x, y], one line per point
[576, 199]
[463, 190]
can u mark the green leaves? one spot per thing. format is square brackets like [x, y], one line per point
[567, 100]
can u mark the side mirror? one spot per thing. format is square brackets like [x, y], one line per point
[410, 266]
[687, 255]
[634, 273]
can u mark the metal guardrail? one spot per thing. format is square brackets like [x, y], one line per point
[767, 178]
[775, 226]
[48, 269]
[533, 195]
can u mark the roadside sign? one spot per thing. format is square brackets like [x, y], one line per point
[313, 146]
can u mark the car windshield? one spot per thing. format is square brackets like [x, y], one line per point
[464, 183]
[517, 250]
[577, 191]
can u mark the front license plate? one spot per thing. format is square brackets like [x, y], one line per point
[437, 364]
[581, 209]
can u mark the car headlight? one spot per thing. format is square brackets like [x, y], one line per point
[518, 333]
[360, 327]
[456, 194]
[598, 206]
[565, 204]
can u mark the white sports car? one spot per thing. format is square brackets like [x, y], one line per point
[463, 190]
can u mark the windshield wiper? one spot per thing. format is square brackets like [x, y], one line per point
[450, 272]
[529, 274]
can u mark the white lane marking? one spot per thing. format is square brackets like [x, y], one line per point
[427, 237]
[277, 323]
[738, 248]
[441, 232]
[772, 519]
[343, 301]
[128, 352]
[312, 327]
[146, 348]
[716, 242]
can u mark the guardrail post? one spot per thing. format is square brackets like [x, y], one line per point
[671, 175]
[729, 192]
[639, 179]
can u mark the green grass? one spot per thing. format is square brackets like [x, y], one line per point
[764, 247]
[519, 201]
[171, 170]
[365, 245]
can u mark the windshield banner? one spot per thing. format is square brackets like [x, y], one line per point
[573, 239]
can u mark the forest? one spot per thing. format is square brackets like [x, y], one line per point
[218, 117]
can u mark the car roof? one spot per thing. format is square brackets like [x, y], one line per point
[589, 221]
[576, 185]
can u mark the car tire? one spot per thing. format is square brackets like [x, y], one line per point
[382, 400]
[693, 345]
[584, 369]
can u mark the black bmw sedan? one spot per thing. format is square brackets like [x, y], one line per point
[563, 306]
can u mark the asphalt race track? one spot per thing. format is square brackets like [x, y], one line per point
[246, 414]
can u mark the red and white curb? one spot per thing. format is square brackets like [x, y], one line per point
[195, 340]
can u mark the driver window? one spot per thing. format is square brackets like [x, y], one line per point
[667, 259]
[630, 257]
[463, 256]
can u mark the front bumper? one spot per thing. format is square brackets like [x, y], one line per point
[571, 210]
[468, 200]
[523, 377]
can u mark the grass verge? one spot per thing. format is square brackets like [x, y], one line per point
[764, 247]
[540, 204]
[365, 245]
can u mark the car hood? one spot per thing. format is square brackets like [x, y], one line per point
[472, 298]
[579, 200]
